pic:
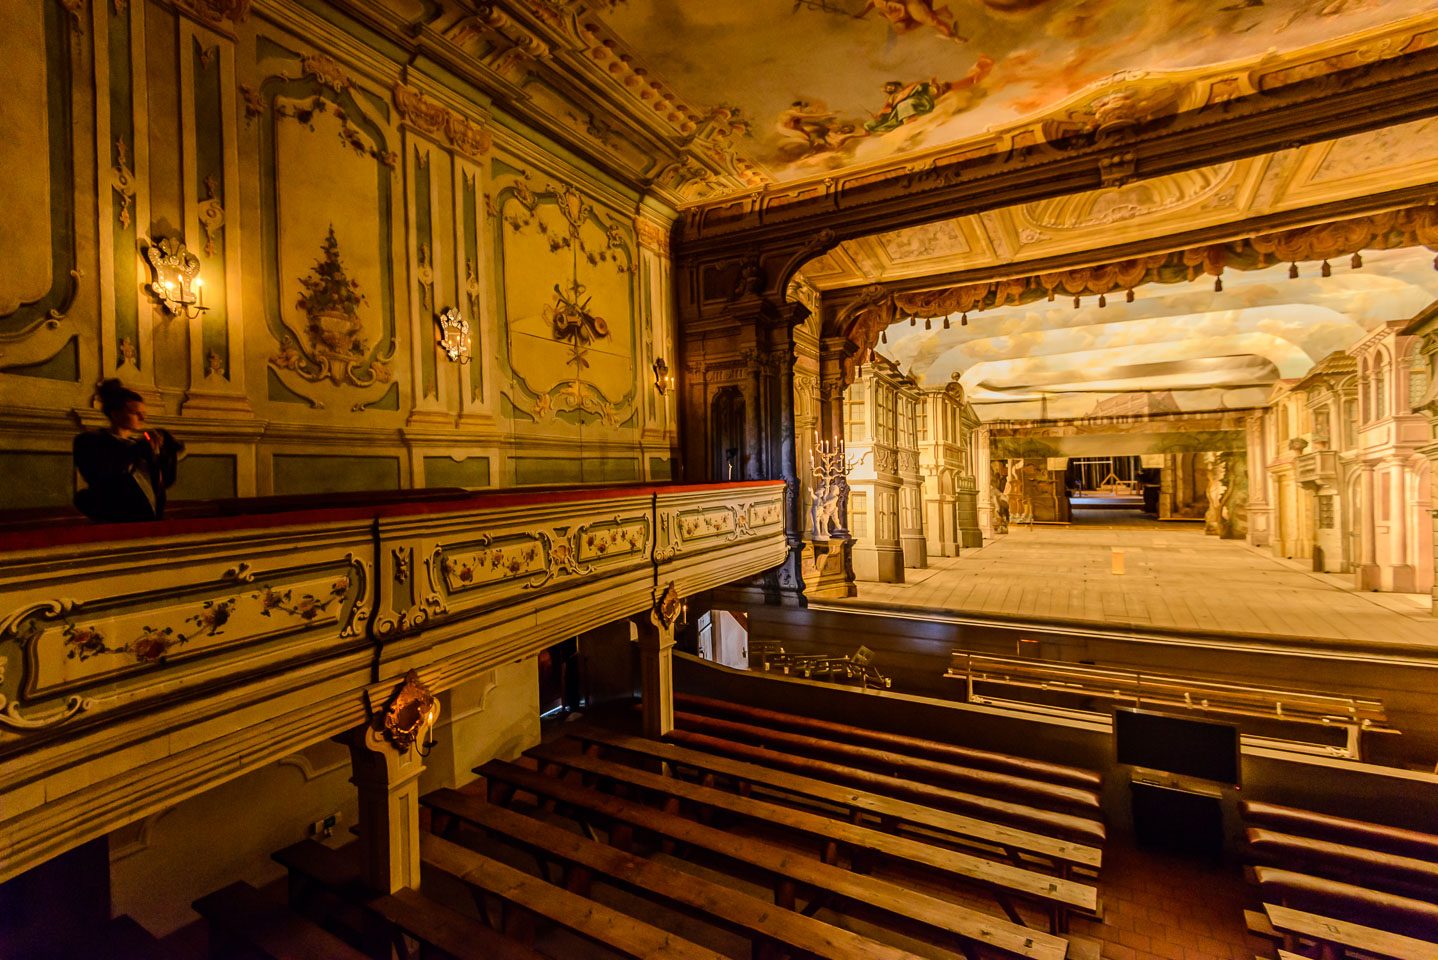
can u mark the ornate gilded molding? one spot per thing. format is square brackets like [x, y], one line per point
[652, 236]
[211, 215]
[864, 321]
[429, 117]
[122, 181]
[328, 72]
[217, 11]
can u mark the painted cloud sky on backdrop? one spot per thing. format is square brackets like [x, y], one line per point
[1209, 346]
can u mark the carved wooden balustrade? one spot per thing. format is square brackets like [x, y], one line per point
[140, 664]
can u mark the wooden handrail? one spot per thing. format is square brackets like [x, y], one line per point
[1190, 693]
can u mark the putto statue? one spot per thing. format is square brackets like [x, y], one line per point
[830, 467]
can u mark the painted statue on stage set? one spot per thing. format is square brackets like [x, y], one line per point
[1020, 506]
[824, 509]
[1227, 514]
[998, 479]
[1217, 487]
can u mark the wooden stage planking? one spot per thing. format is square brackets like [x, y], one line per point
[1175, 578]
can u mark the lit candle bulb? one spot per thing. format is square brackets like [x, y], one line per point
[199, 292]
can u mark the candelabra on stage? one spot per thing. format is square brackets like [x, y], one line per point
[831, 465]
[828, 563]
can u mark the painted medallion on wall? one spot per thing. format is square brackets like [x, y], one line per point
[568, 293]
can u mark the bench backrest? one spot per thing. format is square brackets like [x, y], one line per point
[1049, 796]
[1085, 829]
[899, 743]
[1357, 833]
[1346, 901]
[1405, 876]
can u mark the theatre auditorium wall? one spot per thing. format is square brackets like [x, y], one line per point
[338, 203]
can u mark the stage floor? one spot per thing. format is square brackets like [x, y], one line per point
[1175, 578]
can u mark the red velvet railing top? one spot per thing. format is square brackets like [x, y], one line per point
[257, 512]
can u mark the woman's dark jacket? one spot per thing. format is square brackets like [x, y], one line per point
[126, 479]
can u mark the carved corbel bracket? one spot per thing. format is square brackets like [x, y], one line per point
[668, 607]
[411, 710]
[1117, 169]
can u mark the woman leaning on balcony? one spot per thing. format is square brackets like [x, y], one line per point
[128, 467]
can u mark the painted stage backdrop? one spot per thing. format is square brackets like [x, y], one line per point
[1175, 349]
[336, 204]
[921, 74]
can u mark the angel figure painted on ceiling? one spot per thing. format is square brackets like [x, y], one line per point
[906, 15]
[907, 101]
[810, 128]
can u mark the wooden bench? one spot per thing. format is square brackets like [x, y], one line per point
[1057, 895]
[858, 803]
[890, 903]
[595, 922]
[315, 869]
[1348, 902]
[1048, 796]
[1048, 822]
[244, 916]
[898, 743]
[1346, 934]
[435, 925]
[770, 930]
[1357, 833]
[1389, 872]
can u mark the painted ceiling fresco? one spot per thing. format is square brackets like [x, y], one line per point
[1256, 186]
[823, 84]
[1185, 348]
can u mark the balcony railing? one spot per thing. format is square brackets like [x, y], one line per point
[144, 640]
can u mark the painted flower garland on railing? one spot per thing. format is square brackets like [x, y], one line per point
[153, 643]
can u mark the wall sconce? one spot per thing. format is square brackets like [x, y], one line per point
[454, 335]
[663, 379]
[176, 279]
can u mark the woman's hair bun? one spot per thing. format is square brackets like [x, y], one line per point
[114, 395]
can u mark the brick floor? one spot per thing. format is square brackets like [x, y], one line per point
[1160, 906]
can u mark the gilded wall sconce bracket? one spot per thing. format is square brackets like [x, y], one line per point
[454, 338]
[663, 379]
[175, 278]
[410, 712]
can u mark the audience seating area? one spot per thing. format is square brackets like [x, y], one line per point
[1330, 885]
[874, 848]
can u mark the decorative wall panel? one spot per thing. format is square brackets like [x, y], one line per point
[337, 199]
[37, 242]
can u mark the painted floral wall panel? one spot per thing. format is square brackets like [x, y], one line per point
[331, 287]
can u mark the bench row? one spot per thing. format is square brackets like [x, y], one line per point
[1348, 882]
